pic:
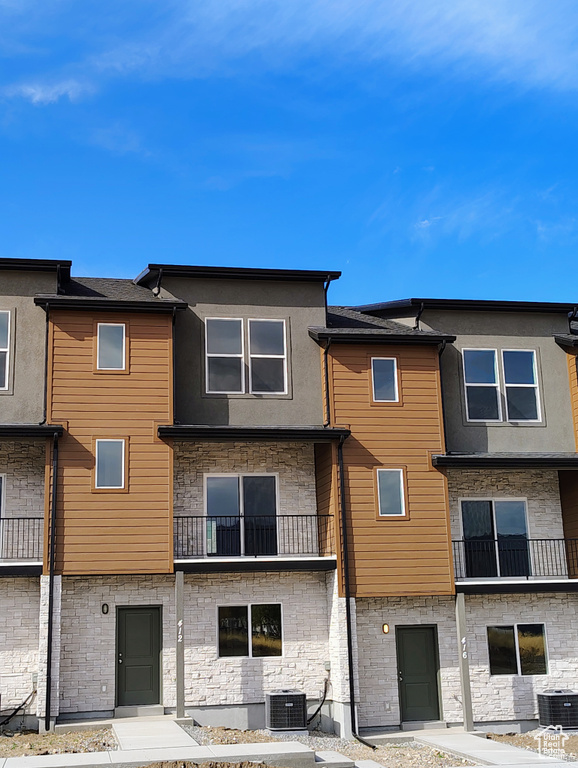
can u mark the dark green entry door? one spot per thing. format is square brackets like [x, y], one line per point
[138, 662]
[417, 665]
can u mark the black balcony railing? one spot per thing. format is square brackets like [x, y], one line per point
[200, 536]
[21, 538]
[515, 557]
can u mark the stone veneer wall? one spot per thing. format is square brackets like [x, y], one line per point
[513, 697]
[19, 612]
[88, 659]
[23, 463]
[88, 638]
[294, 463]
[379, 697]
[538, 486]
[212, 681]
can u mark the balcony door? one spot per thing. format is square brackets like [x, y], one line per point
[495, 538]
[241, 515]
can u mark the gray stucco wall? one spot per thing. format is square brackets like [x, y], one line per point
[503, 330]
[23, 403]
[300, 304]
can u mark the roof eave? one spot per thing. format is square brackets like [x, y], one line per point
[325, 334]
[116, 305]
[30, 430]
[223, 433]
[505, 462]
[150, 274]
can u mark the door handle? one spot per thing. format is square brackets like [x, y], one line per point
[120, 661]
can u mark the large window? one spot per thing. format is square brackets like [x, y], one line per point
[110, 464]
[518, 649]
[495, 538]
[111, 347]
[384, 379]
[250, 630]
[390, 492]
[241, 515]
[4, 349]
[483, 390]
[230, 370]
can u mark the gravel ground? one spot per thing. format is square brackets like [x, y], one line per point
[30, 743]
[408, 755]
[527, 741]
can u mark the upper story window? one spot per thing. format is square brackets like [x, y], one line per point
[110, 465]
[390, 493]
[227, 363]
[483, 390]
[384, 380]
[4, 349]
[111, 347]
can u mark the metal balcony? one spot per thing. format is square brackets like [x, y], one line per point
[21, 538]
[515, 558]
[199, 536]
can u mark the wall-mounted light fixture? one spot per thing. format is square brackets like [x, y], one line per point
[104, 608]
[385, 629]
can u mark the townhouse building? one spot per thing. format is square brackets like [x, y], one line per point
[215, 486]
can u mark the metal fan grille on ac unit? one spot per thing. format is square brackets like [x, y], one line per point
[286, 710]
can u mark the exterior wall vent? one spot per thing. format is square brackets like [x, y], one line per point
[285, 710]
[558, 707]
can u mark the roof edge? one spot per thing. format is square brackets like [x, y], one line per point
[149, 275]
[31, 430]
[230, 433]
[378, 337]
[471, 461]
[116, 305]
[38, 265]
[390, 308]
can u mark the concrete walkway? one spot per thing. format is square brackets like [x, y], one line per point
[484, 751]
[164, 734]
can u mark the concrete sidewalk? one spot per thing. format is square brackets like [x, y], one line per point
[484, 751]
[151, 735]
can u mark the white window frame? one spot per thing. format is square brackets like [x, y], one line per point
[493, 501]
[123, 461]
[267, 357]
[241, 506]
[496, 386]
[396, 382]
[401, 474]
[237, 356]
[534, 386]
[517, 646]
[6, 386]
[250, 629]
[98, 327]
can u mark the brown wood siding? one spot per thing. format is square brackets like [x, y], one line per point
[399, 556]
[572, 363]
[326, 487]
[127, 531]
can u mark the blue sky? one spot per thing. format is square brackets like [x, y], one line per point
[425, 148]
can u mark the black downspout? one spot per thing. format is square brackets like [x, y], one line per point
[51, 553]
[325, 289]
[174, 371]
[326, 372]
[45, 366]
[347, 596]
[442, 400]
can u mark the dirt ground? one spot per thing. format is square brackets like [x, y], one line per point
[409, 755]
[527, 741]
[30, 743]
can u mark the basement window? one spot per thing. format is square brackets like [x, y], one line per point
[518, 649]
[250, 630]
[110, 464]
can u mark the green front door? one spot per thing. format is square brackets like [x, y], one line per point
[138, 662]
[418, 665]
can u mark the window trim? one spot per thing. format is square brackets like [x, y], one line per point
[236, 356]
[496, 386]
[534, 386]
[238, 475]
[250, 625]
[402, 471]
[6, 388]
[126, 344]
[125, 450]
[396, 382]
[283, 357]
[517, 646]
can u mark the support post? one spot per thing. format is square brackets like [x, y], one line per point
[180, 644]
[464, 663]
